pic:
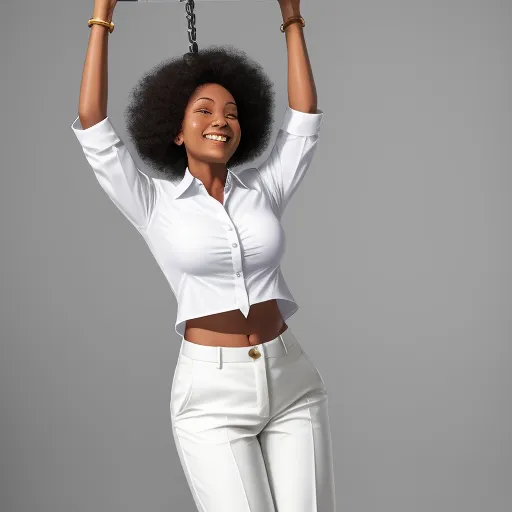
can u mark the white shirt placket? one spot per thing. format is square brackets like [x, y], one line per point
[241, 295]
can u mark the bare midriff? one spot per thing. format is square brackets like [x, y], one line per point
[232, 329]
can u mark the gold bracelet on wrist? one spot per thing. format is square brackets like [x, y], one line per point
[291, 20]
[97, 21]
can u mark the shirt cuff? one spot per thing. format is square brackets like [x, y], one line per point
[97, 137]
[302, 123]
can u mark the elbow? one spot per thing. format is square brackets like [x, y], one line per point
[90, 119]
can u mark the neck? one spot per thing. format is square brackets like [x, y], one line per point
[212, 175]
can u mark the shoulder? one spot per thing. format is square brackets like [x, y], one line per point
[253, 180]
[249, 176]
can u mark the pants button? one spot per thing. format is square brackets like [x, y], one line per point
[254, 353]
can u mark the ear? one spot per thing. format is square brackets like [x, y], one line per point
[178, 140]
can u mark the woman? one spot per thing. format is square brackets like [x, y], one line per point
[248, 408]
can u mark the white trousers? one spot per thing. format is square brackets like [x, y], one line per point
[251, 428]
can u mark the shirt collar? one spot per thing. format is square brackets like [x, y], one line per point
[188, 179]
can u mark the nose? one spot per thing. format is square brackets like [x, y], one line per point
[217, 123]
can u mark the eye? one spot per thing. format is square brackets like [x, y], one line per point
[204, 110]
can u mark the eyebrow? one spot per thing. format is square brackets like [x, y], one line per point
[205, 98]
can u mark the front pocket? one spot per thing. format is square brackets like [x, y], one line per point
[225, 390]
[314, 368]
[182, 385]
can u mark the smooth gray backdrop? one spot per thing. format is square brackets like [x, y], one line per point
[399, 251]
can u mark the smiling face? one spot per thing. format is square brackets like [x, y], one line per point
[211, 109]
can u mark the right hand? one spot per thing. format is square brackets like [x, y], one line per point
[107, 6]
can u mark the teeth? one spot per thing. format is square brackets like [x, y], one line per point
[216, 137]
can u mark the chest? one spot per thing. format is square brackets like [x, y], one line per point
[202, 236]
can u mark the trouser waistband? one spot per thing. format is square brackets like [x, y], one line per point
[274, 348]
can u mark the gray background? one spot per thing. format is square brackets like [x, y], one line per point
[399, 250]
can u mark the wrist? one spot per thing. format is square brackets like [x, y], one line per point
[288, 12]
[103, 14]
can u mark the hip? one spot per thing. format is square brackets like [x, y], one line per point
[246, 381]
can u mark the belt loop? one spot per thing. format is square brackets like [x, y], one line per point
[284, 344]
[218, 357]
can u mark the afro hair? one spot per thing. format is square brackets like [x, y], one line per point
[155, 114]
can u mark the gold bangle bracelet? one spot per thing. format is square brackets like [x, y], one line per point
[291, 20]
[97, 21]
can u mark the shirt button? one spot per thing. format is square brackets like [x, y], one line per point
[230, 228]
[238, 274]
[234, 245]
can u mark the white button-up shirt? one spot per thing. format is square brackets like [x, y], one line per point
[216, 257]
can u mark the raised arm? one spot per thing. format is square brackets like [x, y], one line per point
[92, 105]
[297, 139]
[133, 192]
[301, 84]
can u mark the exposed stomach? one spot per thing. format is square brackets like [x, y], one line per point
[232, 329]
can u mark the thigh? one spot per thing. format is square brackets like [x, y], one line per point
[225, 476]
[297, 448]
[214, 427]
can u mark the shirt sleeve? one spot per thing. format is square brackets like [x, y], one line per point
[291, 156]
[132, 191]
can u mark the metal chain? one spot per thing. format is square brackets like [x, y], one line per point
[191, 20]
